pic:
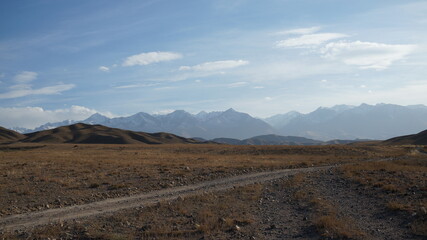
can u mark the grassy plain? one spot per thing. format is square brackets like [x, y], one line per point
[34, 177]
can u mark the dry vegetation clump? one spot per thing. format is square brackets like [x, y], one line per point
[403, 186]
[221, 215]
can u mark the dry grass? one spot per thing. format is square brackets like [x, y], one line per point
[33, 176]
[403, 184]
[397, 206]
[323, 215]
[221, 215]
[329, 224]
[332, 227]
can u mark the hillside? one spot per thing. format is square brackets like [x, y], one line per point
[270, 139]
[7, 135]
[413, 139]
[85, 133]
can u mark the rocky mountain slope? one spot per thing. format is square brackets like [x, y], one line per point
[381, 121]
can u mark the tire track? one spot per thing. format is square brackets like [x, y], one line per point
[34, 219]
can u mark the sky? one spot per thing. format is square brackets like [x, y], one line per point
[62, 59]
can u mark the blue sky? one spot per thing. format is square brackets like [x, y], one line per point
[69, 59]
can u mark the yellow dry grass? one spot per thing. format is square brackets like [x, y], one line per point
[34, 176]
[403, 182]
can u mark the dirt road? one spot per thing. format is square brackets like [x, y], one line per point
[30, 220]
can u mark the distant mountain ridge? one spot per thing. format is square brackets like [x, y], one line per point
[380, 121]
[229, 123]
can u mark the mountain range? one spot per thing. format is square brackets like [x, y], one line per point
[380, 121]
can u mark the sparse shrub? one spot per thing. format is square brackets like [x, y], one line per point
[396, 206]
[116, 186]
[391, 188]
[332, 227]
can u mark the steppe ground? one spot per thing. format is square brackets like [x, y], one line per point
[358, 199]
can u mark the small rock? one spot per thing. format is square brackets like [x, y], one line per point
[236, 228]
[144, 228]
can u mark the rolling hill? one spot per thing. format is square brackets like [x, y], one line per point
[98, 134]
[269, 139]
[413, 139]
[7, 135]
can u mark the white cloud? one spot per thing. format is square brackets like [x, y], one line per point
[31, 117]
[280, 71]
[137, 85]
[163, 112]
[23, 88]
[25, 77]
[215, 66]
[20, 86]
[237, 84]
[165, 88]
[26, 90]
[268, 98]
[104, 69]
[299, 31]
[150, 57]
[366, 55]
[258, 87]
[309, 40]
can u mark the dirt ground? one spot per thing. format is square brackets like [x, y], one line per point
[366, 200]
